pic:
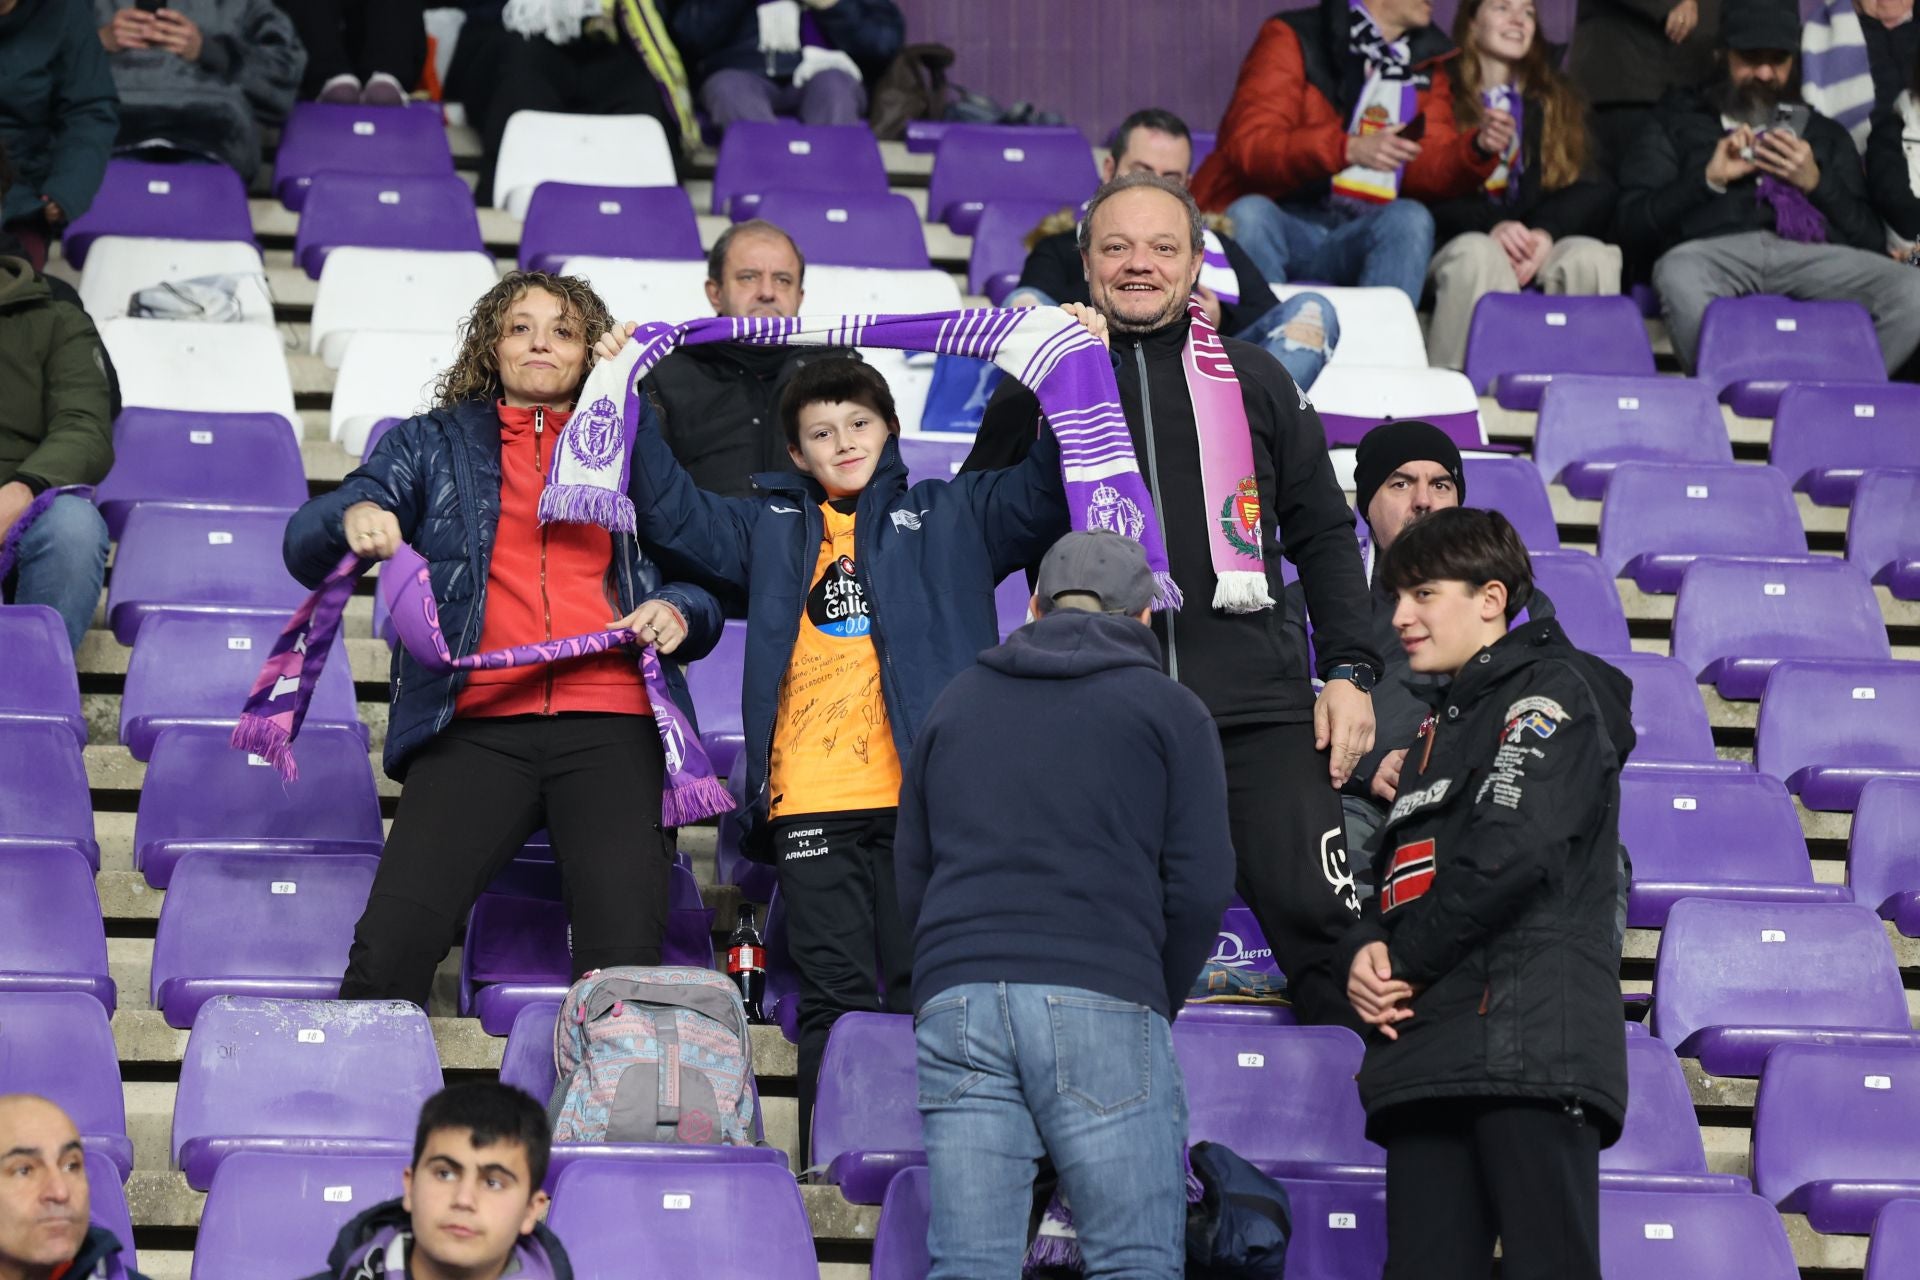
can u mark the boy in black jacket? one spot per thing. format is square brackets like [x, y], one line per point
[1062, 860]
[1487, 966]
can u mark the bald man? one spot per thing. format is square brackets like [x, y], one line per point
[44, 1201]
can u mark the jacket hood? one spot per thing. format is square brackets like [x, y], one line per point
[537, 1257]
[19, 286]
[1537, 640]
[1069, 644]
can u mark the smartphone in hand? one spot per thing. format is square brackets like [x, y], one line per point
[1415, 129]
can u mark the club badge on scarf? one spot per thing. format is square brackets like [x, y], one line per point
[1389, 99]
[1504, 182]
[1227, 474]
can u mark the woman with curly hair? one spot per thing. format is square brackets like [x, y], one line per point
[490, 756]
[1538, 218]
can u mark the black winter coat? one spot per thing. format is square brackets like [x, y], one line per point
[719, 409]
[1582, 208]
[1888, 178]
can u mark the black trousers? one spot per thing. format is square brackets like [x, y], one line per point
[473, 796]
[359, 38]
[844, 929]
[1461, 1174]
[1289, 835]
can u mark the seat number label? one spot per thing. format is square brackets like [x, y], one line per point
[283, 887]
[337, 1195]
[1342, 1222]
[1659, 1230]
[310, 1035]
[1253, 1059]
[676, 1200]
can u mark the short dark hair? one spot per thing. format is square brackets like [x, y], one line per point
[1159, 119]
[838, 380]
[491, 1112]
[1461, 544]
[1083, 235]
[717, 256]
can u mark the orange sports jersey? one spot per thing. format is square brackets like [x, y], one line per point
[833, 746]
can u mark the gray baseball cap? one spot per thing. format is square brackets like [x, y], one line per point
[1101, 563]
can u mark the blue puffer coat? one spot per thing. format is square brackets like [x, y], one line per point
[439, 474]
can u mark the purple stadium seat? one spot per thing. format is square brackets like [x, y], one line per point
[385, 211]
[1282, 1097]
[1649, 1234]
[1827, 727]
[1588, 426]
[1661, 516]
[1734, 619]
[1584, 600]
[322, 137]
[1660, 1147]
[107, 1204]
[866, 1117]
[851, 228]
[1736, 979]
[1669, 717]
[197, 668]
[200, 793]
[783, 155]
[933, 458]
[256, 924]
[527, 1061]
[51, 934]
[199, 560]
[318, 1077]
[1709, 834]
[714, 685]
[1752, 348]
[900, 1238]
[1241, 944]
[696, 1219]
[374, 433]
[1883, 851]
[1011, 601]
[977, 164]
[1203, 144]
[1512, 486]
[999, 245]
[1883, 528]
[1833, 1132]
[1339, 1230]
[782, 1001]
[567, 221]
[1896, 1240]
[210, 459]
[306, 1197]
[165, 202]
[58, 1044]
[923, 136]
[1519, 342]
[46, 799]
[1826, 434]
[41, 685]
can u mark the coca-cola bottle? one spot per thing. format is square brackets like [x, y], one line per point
[747, 963]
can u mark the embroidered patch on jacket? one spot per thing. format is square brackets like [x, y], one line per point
[1409, 875]
[1431, 794]
[1535, 715]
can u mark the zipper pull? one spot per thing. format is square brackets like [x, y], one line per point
[539, 420]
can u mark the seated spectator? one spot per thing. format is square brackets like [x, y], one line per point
[45, 1200]
[366, 51]
[58, 113]
[719, 402]
[1627, 54]
[1857, 57]
[1538, 218]
[802, 58]
[1338, 126]
[1747, 190]
[1893, 176]
[1301, 332]
[472, 1203]
[199, 79]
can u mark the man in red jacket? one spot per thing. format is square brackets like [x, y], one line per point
[1342, 120]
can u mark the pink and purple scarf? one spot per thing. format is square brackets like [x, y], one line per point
[1227, 474]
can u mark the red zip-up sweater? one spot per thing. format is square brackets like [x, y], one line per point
[546, 582]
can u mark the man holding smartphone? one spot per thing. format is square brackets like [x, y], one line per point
[1745, 189]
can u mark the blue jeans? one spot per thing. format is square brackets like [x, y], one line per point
[62, 562]
[1337, 244]
[1010, 1073]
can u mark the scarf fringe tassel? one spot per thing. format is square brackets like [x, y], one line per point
[257, 735]
[587, 504]
[693, 800]
[1242, 591]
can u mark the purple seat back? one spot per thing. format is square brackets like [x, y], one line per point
[1883, 849]
[1672, 1234]
[41, 685]
[1896, 1240]
[1826, 727]
[977, 164]
[1734, 979]
[162, 201]
[51, 934]
[714, 685]
[1512, 486]
[1670, 723]
[1282, 1097]
[527, 1061]
[1712, 834]
[900, 1239]
[344, 1076]
[757, 157]
[215, 459]
[257, 924]
[1661, 1134]
[1203, 144]
[385, 211]
[107, 1205]
[323, 136]
[1589, 425]
[375, 434]
[850, 228]
[1660, 516]
[999, 245]
[1826, 434]
[568, 221]
[933, 459]
[868, 1099]
[46, 799]
[200, 793]
[1751, 348]
[696, 1219]
[1734, 619]
[307, 1198]
[199, 560]
[1833, 1129]
[58, 1044]
[1585, 601]
[1883, 526]
[1518, 342]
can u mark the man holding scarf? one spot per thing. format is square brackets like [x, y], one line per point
[1237, 468]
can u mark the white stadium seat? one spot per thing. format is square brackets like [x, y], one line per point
[1378, 327]
[119, 266]
[398, 290]
[646, 289]
[196, 366]
[386, 375]
[598, 151]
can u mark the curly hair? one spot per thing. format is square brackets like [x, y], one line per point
[475, 372]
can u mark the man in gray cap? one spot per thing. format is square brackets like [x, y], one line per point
[1063, 860]
[1745, 189]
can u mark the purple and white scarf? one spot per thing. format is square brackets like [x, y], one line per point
[1504, 182]
[17, 531]
[1216, 270]
[1056, 1245]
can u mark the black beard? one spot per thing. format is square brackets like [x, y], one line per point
[1751, 104]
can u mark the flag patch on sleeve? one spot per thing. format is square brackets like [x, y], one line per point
[1409, 875]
